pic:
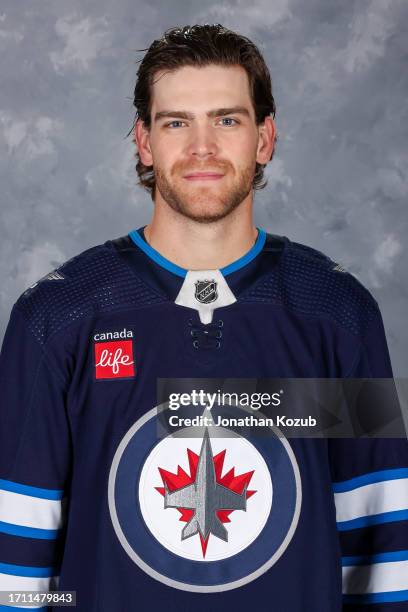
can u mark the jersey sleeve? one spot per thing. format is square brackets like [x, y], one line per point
[370, 487]
[34, 461]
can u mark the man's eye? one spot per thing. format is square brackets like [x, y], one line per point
[229, 119]
[171, 123]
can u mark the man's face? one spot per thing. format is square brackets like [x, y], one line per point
[203, 142]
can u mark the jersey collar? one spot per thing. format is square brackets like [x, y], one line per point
[182, 272]
[167, 279]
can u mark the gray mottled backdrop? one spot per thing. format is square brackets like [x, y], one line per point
[338, 181]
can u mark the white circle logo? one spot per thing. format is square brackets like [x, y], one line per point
[203, 514]
[233, 465]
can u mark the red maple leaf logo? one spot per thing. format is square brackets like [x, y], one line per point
[236, 483]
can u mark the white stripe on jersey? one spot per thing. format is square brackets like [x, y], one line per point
[28, 511]
[371, 499]
[375, 578]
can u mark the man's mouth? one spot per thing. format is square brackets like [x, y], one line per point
[203, 176]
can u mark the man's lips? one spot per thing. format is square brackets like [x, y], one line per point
[203, 176]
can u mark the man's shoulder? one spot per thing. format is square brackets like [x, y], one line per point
[312, 284]
[311, 260]
[314, 263]
[94, 281]
[83, 267]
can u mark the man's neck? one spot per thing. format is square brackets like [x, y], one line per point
[201, 246]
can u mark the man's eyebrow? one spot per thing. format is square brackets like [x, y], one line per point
[217, 112]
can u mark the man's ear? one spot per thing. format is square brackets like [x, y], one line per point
[266, 142]
[142, 140]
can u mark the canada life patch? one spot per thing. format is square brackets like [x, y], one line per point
[207, 513]
[114, 359]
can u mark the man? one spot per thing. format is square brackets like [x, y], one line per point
[91, 491]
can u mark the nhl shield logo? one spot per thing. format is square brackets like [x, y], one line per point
[224, 507]
[206, 291]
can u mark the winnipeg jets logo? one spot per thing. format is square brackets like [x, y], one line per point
[206, 291]
[205, 499]
[203, 514]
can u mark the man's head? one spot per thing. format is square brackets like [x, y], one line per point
[203, 99]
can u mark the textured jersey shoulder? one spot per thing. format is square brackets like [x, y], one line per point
[309, 282]
[93, 281]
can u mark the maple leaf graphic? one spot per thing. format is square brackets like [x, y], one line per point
[236, 483]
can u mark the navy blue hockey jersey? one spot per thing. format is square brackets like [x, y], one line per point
[93, 500]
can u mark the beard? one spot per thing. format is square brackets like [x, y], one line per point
[205, 201]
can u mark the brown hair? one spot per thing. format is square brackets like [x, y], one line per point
[201, 45]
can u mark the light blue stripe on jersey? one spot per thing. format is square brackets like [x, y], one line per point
[370, 478]
[16, 487]
[374, 519]
[28, 571]
[29, 532]
[182, 272]
[155, 255]
[373, 598]
[388, 557]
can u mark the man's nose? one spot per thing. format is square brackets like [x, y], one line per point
[202, 142]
